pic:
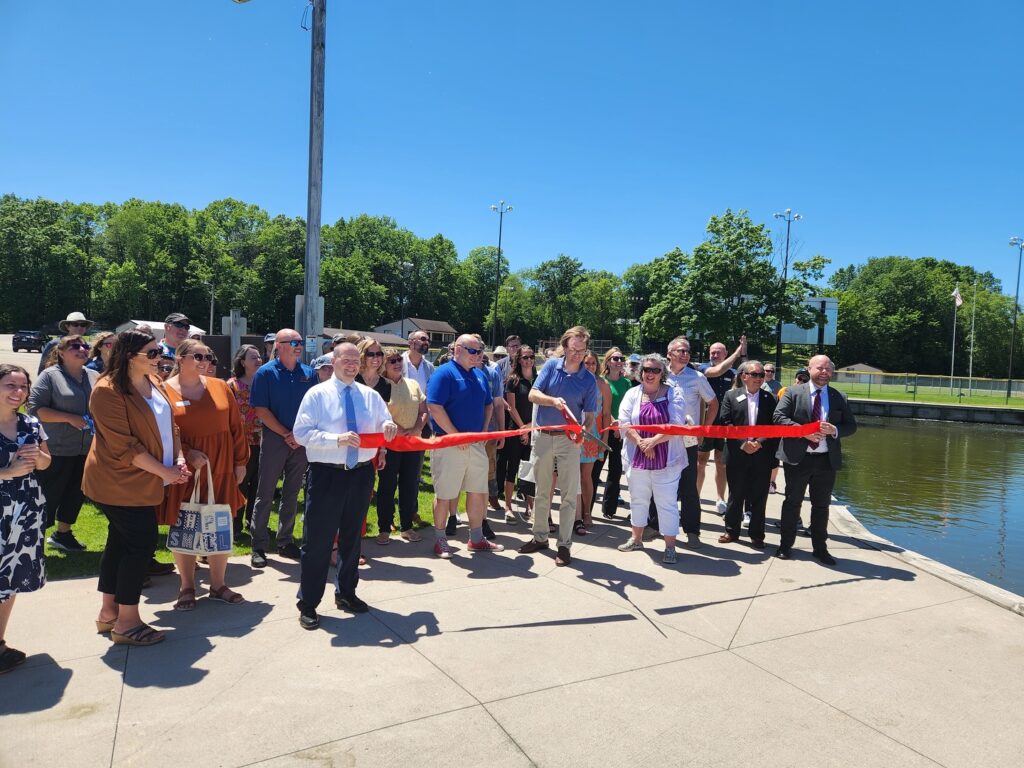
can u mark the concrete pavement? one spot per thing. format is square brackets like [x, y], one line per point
[728, 658]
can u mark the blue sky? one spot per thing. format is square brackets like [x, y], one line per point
[614, 129]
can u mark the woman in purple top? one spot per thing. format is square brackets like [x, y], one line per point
[652, 463]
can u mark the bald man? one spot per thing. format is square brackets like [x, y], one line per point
[277, 390]
[812, 461]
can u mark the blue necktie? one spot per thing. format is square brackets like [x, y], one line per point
[352, 455]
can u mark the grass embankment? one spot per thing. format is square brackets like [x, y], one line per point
[932, 395]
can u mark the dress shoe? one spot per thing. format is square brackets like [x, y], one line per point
[824, 557]
[727, 538]
[563, 557]
[258, 559]
[308, 619]
[290, 551]
[488, 533]
[757, 543]
[160, 569]
[352, 604]
[784, 553]
[533, 546]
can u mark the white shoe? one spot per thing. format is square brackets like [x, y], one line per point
[720, 507]
[746, 519]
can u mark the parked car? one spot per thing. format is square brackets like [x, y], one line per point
[30, 341]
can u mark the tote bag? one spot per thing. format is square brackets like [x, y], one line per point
[202, 528]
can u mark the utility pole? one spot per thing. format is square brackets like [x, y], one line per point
[790, 217]
[311, 294]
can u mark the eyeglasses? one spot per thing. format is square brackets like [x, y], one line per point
[181, 324]
[759, 375]
[79, 345]
[616, 359]
[151, 354]
[472, 351]
[199, 357]
[293, 342]
[651, 370]
[375, 354]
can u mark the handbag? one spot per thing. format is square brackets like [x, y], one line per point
[202, 528]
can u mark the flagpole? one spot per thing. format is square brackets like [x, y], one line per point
[952, 350]
[970, 365]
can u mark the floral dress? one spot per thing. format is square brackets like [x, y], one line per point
[22, 510]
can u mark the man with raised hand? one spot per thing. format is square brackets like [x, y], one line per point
[812, 461]
[565, 392]
[277, 390]
[330, 420]
[459, 400]
[720, 375]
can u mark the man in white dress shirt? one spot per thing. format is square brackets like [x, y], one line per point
[330, 419]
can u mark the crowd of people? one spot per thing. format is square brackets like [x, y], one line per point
[140, 425]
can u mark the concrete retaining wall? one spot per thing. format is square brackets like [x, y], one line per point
[970, 413]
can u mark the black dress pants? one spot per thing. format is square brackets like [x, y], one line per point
[748, 476]
[61, 483]
[613, 485]
[814, 471]
[131, 542]
[336, 504]
[401, 473]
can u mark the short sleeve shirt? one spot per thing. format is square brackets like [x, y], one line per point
[578, 389]
[696, 387]
[280, 391]
[464, 394]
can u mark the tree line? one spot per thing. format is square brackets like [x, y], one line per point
[144, 259]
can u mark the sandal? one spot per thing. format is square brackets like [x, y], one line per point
[140, 635]
[103, 626]
[579, 528]
[225, 595]
[186, 600]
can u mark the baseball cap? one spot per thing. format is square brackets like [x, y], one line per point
[269, 338]
[177, 317]
[805, 373]
[323, 360]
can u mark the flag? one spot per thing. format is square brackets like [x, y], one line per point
[957, 297]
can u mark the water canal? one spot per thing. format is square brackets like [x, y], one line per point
[951, 491]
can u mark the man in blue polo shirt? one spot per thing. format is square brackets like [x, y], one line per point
[277, 390]
[459, 400]
[563, 384]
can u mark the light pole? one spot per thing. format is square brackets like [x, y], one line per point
[1018, 243]
[790, 217]
[406, 269]
[314, 189]
[501, 209]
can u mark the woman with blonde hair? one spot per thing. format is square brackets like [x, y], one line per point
[213, 440]
[371, 368]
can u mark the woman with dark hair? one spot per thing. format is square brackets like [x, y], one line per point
[246, 362]
[521, 373]
[60, 399]
[613, 373]
[22, 507]
[591, 457]
[213, 441]
[102, 344]
[134, 455]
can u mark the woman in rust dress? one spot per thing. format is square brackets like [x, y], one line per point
[211, 436]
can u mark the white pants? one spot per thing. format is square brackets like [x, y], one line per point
[663, 485]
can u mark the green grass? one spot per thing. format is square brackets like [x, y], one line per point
[935, 395]
[91, 530]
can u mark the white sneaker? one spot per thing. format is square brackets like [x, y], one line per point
[720, 507]
[746, 519]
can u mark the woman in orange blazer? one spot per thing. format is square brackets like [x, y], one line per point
[134, 454]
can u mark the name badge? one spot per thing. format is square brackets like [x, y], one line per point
[741, 398]
[183, 403]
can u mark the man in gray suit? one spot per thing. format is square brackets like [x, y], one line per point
[812, 461]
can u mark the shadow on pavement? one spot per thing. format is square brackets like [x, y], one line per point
[36, 688]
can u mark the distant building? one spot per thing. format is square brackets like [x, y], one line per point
[384, 339]
[859, 373]
[156, 325]
[441, 333]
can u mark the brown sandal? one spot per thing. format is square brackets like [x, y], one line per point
[186, 600]
[225, 595]
[103, 626]
[140, 635]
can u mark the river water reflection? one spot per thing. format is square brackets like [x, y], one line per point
[953, 492]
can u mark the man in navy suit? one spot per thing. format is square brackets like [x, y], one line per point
[812, 461]
[748, 461]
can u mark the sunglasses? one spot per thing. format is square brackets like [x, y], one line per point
[199, 357]
[473, 351]
[151, 354]
[527, 357]
[651, 370]
[375, 354]
[181, 324]
[78, 345]
[78, 325]
[394, 361]
[616, 359]
[293, 342]
[755, 375]
[164, 368]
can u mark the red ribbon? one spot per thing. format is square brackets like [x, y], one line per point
[410, 443]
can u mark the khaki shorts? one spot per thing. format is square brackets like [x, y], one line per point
[455, 470]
